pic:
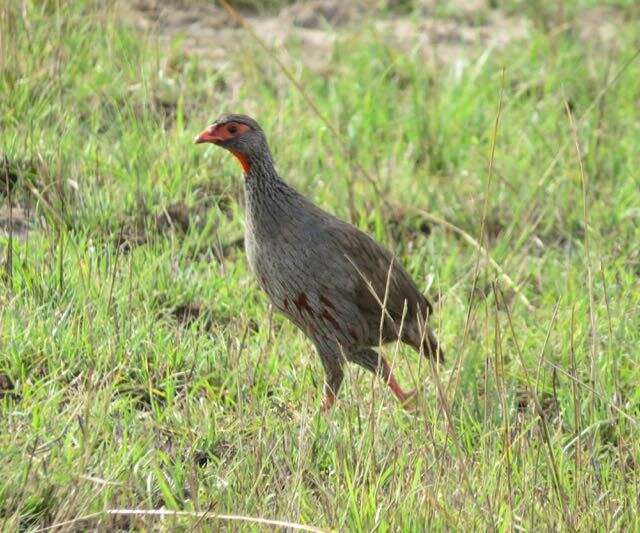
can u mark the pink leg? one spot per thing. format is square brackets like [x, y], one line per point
[328, 402]
[372, 361]
[397, 390]
[395, 387]
[393, 384]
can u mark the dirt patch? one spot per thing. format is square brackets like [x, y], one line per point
[7, 388]
[447, 40]
[132, 231]
[442, 32]
[495, 224]
[548, 402]
[130, 238]
[207, 31]
[222, 450]
[14, 172]
[599, 25]
[180, 217]
[8, 180]
[185, 312]
[141, 226]
[318, 14]
[176, 14]
[313, 26]
[15, 176]
[201, 24]
[16, 221]
[176, 216]
[213, 195]
[405, 226]
[231, 247]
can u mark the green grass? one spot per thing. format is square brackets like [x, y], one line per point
[141, 368]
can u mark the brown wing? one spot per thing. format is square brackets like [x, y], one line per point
[371, 264]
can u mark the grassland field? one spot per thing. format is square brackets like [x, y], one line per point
[142, 369]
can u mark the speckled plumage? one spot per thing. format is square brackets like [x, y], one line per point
[325, 275]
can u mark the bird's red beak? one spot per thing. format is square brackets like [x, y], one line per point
[210, 135]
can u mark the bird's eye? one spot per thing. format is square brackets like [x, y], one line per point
[232, 129]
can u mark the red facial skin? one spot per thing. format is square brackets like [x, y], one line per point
[219, 133]
[243, 160]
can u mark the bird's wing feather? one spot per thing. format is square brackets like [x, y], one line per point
[369, 265]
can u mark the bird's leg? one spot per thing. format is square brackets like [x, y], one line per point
[333, 378]
[374, 362]
[329, 400]
[397, 390]
[395, 387]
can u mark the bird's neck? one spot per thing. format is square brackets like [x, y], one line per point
[259, 168]
[260, 175]
[265, 191]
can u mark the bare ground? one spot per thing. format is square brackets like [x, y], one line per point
[459, 33]
[313, 25]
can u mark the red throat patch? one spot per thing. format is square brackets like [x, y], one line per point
[243, 160]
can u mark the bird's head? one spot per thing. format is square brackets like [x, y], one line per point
[239, 134]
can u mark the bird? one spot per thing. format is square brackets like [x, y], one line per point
[348, 294]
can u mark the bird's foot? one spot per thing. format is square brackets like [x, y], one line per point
[328, 402]
[408, 400]
[405, 398]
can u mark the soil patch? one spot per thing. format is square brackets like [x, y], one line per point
[13, 172]
[15, 220]
[184, 312]
[314, 25]
[7, 387]
[176, 216]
